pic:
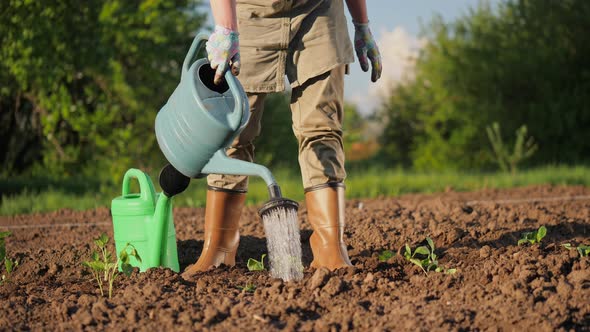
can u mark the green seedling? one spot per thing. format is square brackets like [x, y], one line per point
[425, 258]
[524, 147]
[254, 265]
[582, 249]
[104, 269]
[385, 255]
[9, 264]
[533, 237]
[250, 288]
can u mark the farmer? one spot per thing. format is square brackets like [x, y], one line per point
[308, 41]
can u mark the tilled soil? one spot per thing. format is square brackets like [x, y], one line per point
[498, 285]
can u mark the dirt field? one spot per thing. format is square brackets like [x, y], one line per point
[498, 285]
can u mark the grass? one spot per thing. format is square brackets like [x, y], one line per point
[360, 184]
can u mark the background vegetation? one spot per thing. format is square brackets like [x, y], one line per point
[523, 63]
[81, 83]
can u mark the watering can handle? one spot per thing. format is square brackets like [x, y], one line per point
[146, 190]
[197, 44]
[232, 81]
[238, 95]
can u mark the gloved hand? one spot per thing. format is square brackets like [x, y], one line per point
[223, 47]
[365, 47]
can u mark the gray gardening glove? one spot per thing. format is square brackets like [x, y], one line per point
[365, 47]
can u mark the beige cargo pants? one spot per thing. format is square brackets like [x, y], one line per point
[317, 111]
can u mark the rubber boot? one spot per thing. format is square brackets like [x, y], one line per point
[325, 212]
[222, 235]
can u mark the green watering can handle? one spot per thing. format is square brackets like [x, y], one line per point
[146, 190]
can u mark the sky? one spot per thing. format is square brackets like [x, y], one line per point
[396, 26]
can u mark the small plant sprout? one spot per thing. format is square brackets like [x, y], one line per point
[9, 264]
[425, 258]
[533, 237]
[385, 255]
[254, 265]
[250, 288]
[582, 249]
[104, 269]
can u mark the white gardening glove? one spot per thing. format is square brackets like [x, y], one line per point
[223, 51]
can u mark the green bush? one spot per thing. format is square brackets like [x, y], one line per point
[522, 63]
[85, 80]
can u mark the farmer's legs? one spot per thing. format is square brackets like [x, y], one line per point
[317, 109]
[225, 199]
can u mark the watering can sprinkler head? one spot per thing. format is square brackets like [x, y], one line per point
[277, 201]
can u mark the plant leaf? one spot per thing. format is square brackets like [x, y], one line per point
[248, 288]
[430, 243]
[124, 256]
[430, 264]
[104, 238]
[422, 250]
[541, 233]
[451, 271]
[567, 246]
[98, 243]
[522, 241]
[8, 264]
[408, 252]
[583, 250]
[127, 269]
[95, 265]
[135, 254]
[254, 265]
[416, 261]
[386, 255]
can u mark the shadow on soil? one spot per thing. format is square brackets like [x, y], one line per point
[250, 247]
[560, 233]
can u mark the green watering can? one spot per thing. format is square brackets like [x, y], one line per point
[145, 219]
[201, 119]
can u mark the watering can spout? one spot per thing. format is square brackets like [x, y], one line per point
[160, 225]
[220, 163]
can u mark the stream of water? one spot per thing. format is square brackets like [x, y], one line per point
[284, 243]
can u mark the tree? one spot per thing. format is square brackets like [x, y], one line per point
[523, 63]
[401, 113]
[89, 77]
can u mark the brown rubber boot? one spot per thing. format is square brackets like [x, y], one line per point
[325, 212]
[222, 235]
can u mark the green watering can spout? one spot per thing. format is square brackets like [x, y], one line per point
[160, 226]
[172, 183]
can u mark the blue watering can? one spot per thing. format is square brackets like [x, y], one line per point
[201, 119]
